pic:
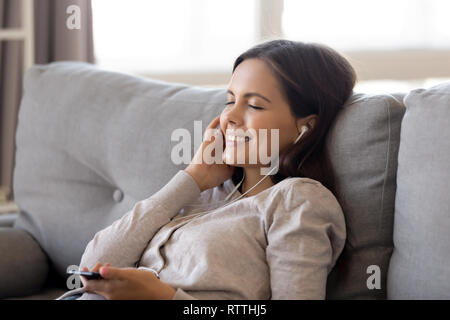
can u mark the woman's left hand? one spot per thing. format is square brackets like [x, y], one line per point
[129, 284]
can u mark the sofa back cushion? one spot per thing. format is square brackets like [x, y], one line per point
[363, 146]
[90, 144]
[419, 267]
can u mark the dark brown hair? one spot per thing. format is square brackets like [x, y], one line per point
[315, 79]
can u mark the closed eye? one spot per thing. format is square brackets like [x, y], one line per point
[250, 105]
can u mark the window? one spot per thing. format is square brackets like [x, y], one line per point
[172, 35]
[355, 25]
[196, 41]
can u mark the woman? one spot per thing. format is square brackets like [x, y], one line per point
[283, 238]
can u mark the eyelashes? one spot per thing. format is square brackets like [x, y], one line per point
[251, 106]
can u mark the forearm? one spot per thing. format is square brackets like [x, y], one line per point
[122, 243]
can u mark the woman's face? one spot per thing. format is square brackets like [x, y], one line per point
[255, 102]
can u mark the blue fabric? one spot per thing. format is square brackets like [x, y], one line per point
[74, 297]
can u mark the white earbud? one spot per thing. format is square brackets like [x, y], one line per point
[304, 129]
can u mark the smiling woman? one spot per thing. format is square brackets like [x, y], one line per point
[282, 240]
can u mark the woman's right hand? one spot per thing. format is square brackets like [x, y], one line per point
[209, 175]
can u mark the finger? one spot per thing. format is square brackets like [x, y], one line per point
[210, 134]
[97, 286]
[83, 279]
[96, 267]
[211, 130]
[108, 272]
[214, 123]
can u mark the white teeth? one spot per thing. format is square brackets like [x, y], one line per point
[237, 138]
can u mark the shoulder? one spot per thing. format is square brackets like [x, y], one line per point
[299, 186]
[299, 190]
[298, 198]
[292, 192]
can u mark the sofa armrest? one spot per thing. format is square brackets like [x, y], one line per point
[23, 265]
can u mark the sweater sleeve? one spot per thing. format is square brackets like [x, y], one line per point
[305, 237]
[123, 243]
[180, 294]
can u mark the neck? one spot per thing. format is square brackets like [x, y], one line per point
[252, 177]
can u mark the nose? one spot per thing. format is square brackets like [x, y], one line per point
[234, 116]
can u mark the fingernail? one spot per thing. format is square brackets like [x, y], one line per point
[104, 271]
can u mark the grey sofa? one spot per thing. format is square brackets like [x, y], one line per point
[91, 143]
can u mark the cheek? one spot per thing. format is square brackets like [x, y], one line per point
[286, 131]
[285, 140]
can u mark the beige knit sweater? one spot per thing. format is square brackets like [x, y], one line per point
[278, 244]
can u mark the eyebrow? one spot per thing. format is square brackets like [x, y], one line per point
[250, 94]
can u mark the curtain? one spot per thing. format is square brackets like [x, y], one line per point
[53, 42]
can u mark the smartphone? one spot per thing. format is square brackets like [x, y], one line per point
[87, 274]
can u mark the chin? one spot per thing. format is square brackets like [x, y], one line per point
[229, 161]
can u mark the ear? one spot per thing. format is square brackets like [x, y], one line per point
[310, 121]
